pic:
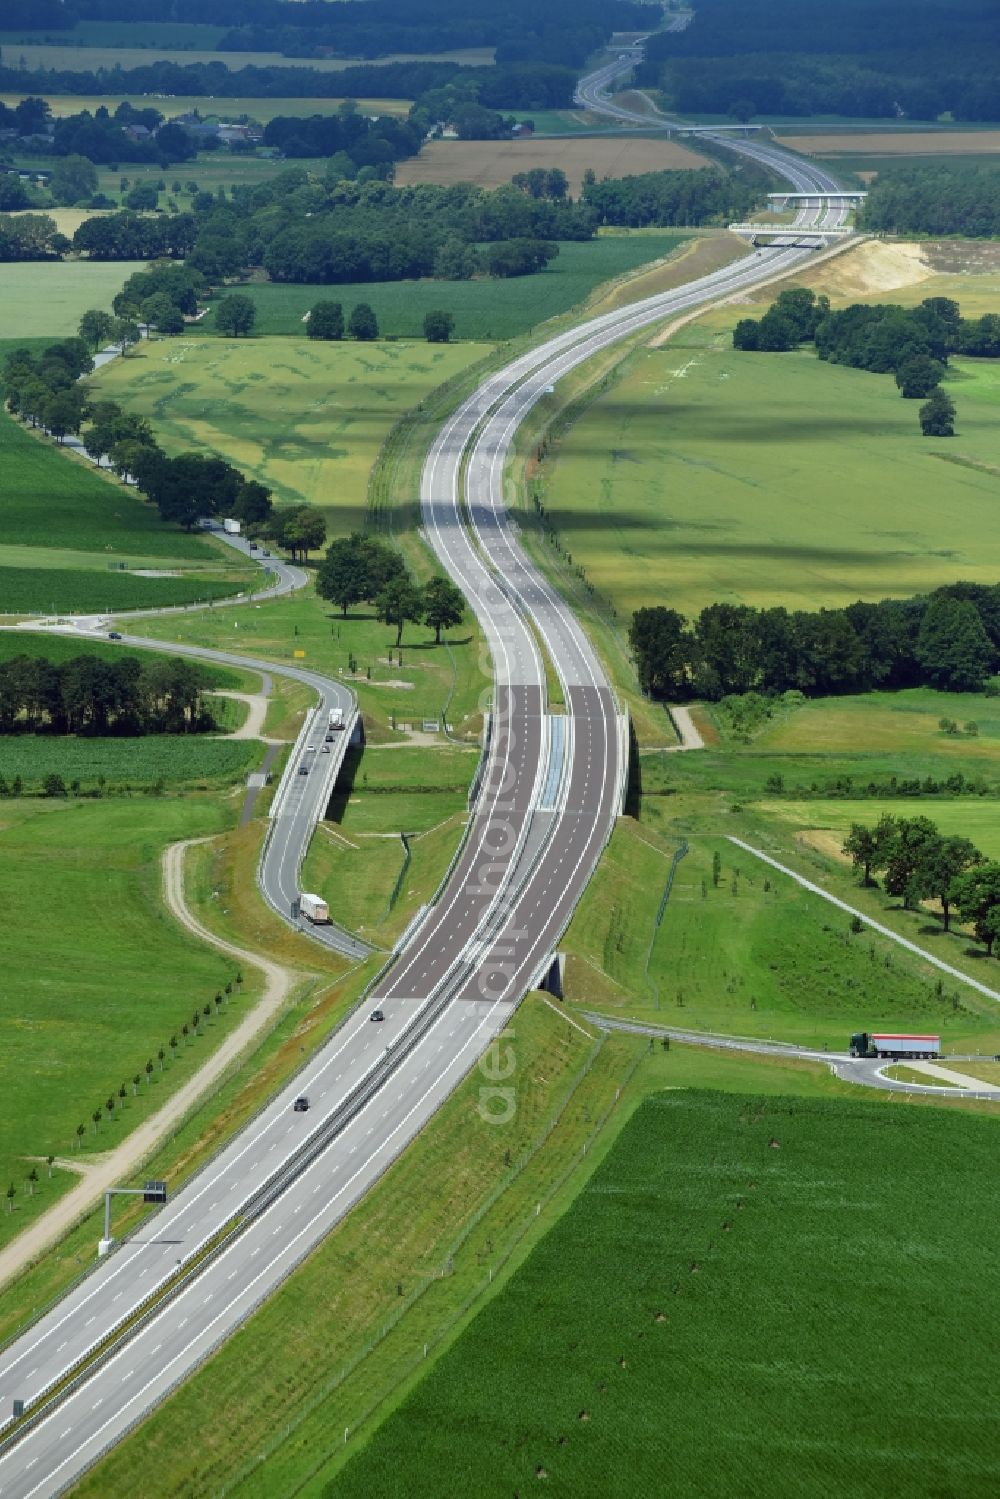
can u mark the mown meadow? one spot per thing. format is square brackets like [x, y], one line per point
[486, 309]
[703, 1319]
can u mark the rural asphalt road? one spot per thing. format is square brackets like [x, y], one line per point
[549, 798]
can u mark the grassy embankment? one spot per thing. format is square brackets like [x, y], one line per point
[760, 1234]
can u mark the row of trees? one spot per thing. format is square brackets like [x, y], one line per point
[918, 863]
[913, 344]
[91, 696]
[709, 195]
[949, 640]
[325, 321]
[30, 236]
[362, 569]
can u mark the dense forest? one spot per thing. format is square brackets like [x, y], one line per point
[948, 199]
[949, 640]
[529, 85]
[915, 58]
[562, 31]
[301, 228]
[88, 695]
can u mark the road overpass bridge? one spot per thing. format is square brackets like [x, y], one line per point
[796, 232]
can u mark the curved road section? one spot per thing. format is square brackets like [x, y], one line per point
[551, 791]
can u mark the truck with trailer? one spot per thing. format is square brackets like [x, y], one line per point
[231, 527]
[895, 1047]
[314, 908]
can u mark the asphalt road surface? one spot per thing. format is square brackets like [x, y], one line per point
[549, 798]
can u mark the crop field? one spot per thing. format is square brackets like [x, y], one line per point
[700, 1320]
[491, 163]
[305, 418]
[90, 996]
[49, 298]
[907, 722]
[126, 764]
[754, 954]
[486, 309]
[90, 58]
[896, 143]
[707, 475]
[825, 824]
[47, 590]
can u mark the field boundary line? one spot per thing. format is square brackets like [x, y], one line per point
[869, 921]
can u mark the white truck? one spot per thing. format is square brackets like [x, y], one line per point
[231, 527]
[336, 718]
[314, 908]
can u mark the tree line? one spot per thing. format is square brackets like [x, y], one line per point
[665, 198]
[918, 863]
[911, 343]
[956, 199]
[362, 569]
[845, 57]
[88, 695]
[949, 639]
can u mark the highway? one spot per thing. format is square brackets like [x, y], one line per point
[550, 794]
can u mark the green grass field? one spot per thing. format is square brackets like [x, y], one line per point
[97, 975]
[94, 55]
[754, 955]
[432, 679]
[47, 590]
[304, 417]
[127, 764]
[484, 309]
[705, 475]
[701, 1321]
[46, 298]
[58, 648]
[906, 722]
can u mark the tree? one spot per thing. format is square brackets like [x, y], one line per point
[937, 416]
[326, 320]
[912, 844]
[976, 897]
[159, 312]
[61, 414]
[661, 644]
[952, 646]
[867, 846]
[125, 333]
[918, 375]
[235, 315]
[398, 602]
[363, 324]
[941, 864]
[96, 328]
[444, 606]
[252, 504]
[303, 530]
[143, 197]
[438, 327]
[344, 574]
[73, 180]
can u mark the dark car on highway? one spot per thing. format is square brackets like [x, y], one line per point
[300, 1105]
[377, 1015]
